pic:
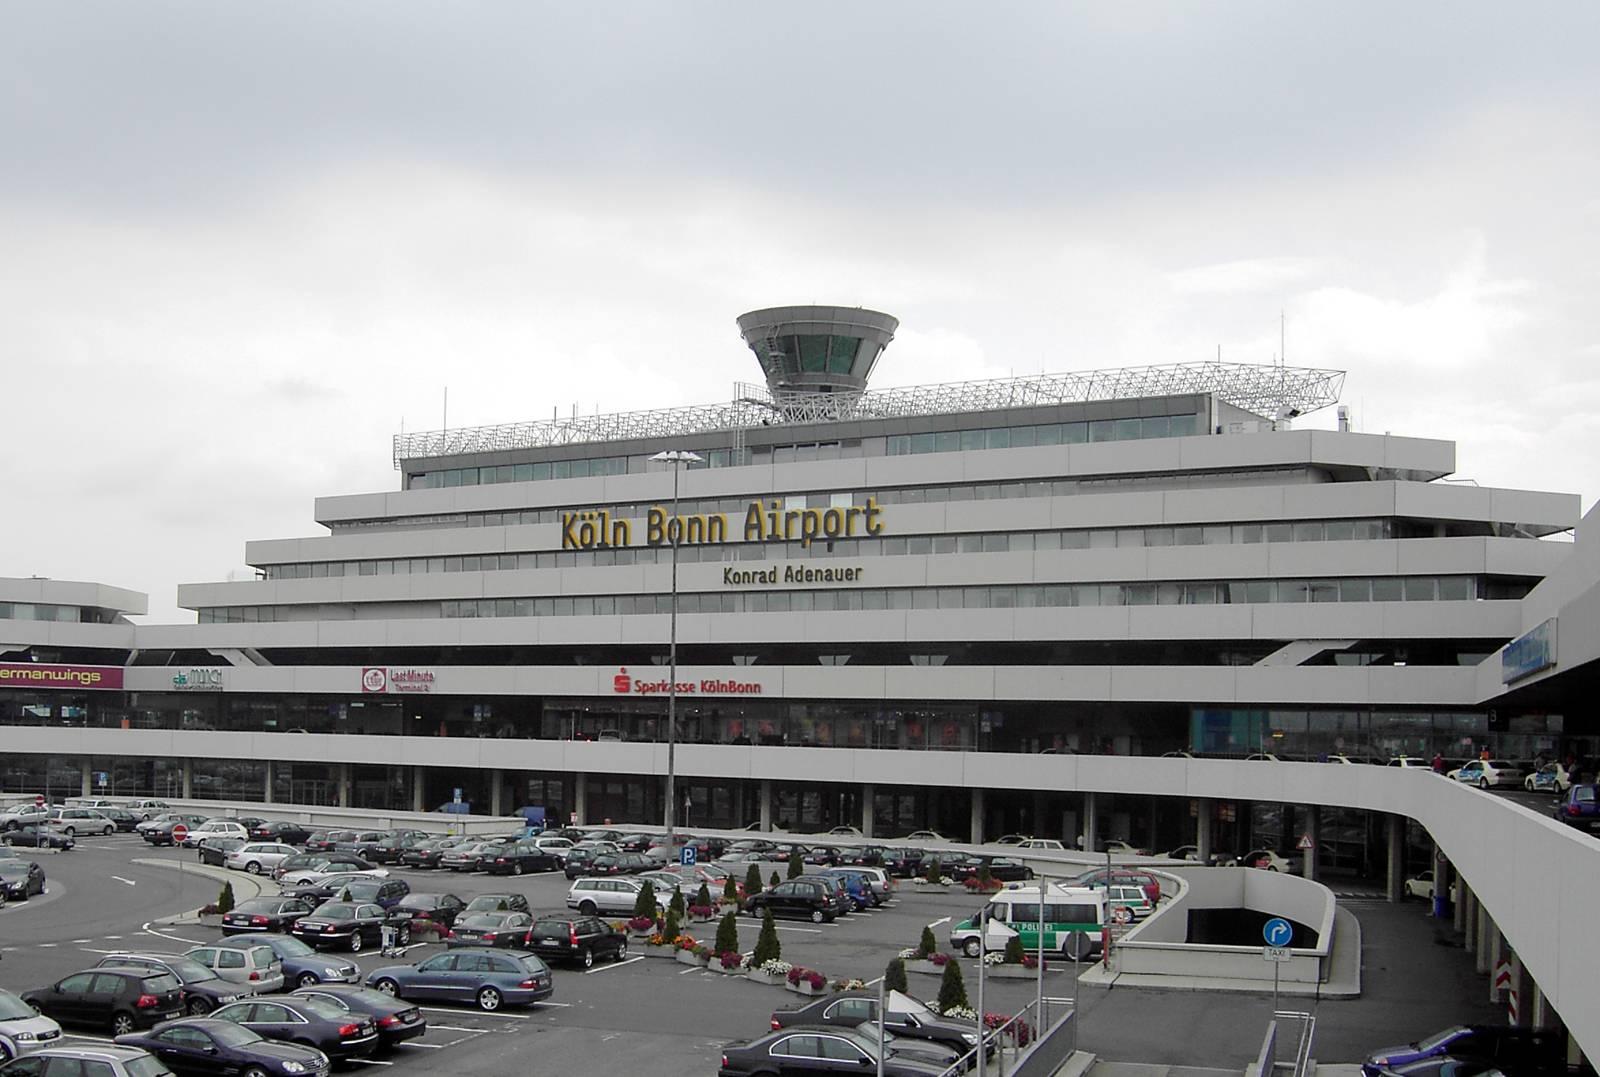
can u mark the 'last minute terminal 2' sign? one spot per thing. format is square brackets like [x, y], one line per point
[597, 529]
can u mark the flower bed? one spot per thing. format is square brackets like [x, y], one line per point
[976, 885]
[702, 913]
[806, 981]
[772, 972]
[730, 962]
[642, 925]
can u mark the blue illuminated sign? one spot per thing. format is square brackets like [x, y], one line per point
[1529, 653]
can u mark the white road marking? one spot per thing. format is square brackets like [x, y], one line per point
[425, 1046]
[92, 950]
[82, 940]
[148, 930]
[807, 930]
[483, 1013]
[46, 945]
[617, 965]
[686, 972]
[370, 1061]
[108, 938]
[120, 879]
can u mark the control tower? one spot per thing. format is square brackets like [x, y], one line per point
[817, 349]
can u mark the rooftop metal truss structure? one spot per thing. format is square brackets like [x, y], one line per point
[1261, 388]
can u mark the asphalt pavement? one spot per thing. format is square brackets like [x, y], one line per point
[117, 893]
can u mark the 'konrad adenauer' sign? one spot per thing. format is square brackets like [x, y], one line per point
[763, 522]
[789, 576]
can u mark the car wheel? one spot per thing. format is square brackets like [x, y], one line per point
[388, 987]
[71, 832]
[403, 936]
[587, 958]
[971, 948]
[198, 1007]
[516, 869]
[254, 1071]
[1076, 946]
[355, 942]
[588, 908]
[121, 1024]
[253, 868]
[109, 830]
[488, 999]
[306, 979]
[621, 953]
[817, 916]
[1483, 783]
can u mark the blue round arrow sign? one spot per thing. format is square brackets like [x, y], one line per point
[1277, 931]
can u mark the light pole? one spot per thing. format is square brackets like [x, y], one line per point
[674, 457]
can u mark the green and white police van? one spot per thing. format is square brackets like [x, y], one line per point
[1073, 919]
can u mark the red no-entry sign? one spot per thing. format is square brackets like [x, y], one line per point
[179, 833]
[38, 801]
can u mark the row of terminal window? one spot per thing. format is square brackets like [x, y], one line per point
[43, 611]
[1194, 592]
[997, 542]
[1003, 437]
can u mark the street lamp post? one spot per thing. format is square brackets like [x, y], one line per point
[675, 457]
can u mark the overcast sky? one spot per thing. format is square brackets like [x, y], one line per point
[240, 245]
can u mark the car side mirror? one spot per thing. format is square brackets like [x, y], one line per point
[210, 1050]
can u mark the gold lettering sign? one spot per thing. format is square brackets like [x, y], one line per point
[597, 529]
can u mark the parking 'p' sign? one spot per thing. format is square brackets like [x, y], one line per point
[1277, 931]
[687, 856]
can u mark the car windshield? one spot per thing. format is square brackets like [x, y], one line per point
[258, 905]
[1439, 1039]
[324, 1009]
[487, 919]
[286, 945]
[336, 912]
[144, 1066]
[231, 1035]
[419, 901]
[189, 970]
[13, 1008]
[488, 903]
[552, 929]
[530, 963]
[161, 984]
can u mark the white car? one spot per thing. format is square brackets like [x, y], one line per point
[1484, 773]
[75, 821]
[847, 832]
[1409, 762]
[612, 896]
[257, 857]
[556, 847]
[927, 835]
[1268, 860]
[1550, 778]
[1262, 757]
[301, 876]
[1421, 886]
[1117, 847]
[1048, 843]
[215, 828]
[149, 809]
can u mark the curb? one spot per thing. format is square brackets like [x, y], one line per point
[241, 880]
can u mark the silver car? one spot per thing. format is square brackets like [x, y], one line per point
[114, 1059]
[252, 966]
[258, 856]
[21, 1030]
[614, 895]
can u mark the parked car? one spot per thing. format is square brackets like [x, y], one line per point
[1580, 807]
[255, 969]
[615, 895]
[331, 1029]
[426, 853]
[386, 893]
[124, 819]
[263, 914]
[364, 843]
[296, 870]
[1511, 1049]
[75, 821]
[1118, 847]
[818, 1050]
[22, 814]
[327, 888]
[621, 864]
[201, 990]
[395, 1020]
[1550, 778]
[519, 857]
[43, 835]
[506, 930]
[119, 999]
[1486, 773]
[159, 831]
[928, 835]
[323, 841]
[256, 857]
[580, 856]
[469, 856]
[215, 828]
[147, 809]
[104, 1059]
[864, 855]
[582, 940]
[823, 855]
[440, 909]
[485, 977]
[1040, 844]
[1269, 860]
[205, 1047]
[304, 966]
[496, 903]
[1408, 762]
[215, 852]
[1422, 886]
[801, 899]
[353, 925]
[902, 862]
[21, 1030]
[855, 885]
[280, 831]
[903, 1015]
[1096, 877]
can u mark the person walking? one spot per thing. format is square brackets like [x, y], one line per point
[1438, 762]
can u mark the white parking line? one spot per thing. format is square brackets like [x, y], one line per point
[426, 1046]
[120, 879]
[485, 1013]
[616, 965]
[80, 1036]
[455, 1028]
[370, 1061]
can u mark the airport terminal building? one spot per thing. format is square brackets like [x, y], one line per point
[878, 597]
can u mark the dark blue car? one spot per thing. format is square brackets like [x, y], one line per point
[485, 978]
[1515, 1050]
[1580, 807]
[201, 1047]
[303, 965]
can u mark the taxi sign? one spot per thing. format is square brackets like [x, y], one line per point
[1275, 953]
[179, 832]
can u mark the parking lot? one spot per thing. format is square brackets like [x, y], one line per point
[674, 1019]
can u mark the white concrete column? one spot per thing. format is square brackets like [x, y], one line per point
[86, 777]
[976, 836]
[267, 774]
[766, 804]
[1313, 830]
[869, 794]
[1459, 911]
[346, 781]
[1482, 923]
[1469, 904]
[1396, 880]
[496, 792]
[1091, 822]
[1538, 1008]
[188, 778]
[1203, 809]
[1496, 949]
[580, 798]
[419, 801]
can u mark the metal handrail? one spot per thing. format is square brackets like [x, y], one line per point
[1267, 1064]
[994, 1036]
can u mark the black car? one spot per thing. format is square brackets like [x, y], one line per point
[201, 988]
[214, 851]
[161, 833]
[394, 845]
[579, 857]
[866, 856]
[621, 864]
[39, 836]
[20, 879]
[1006, 869]
[439, 908]
[801, 899]
[353, 925]
[323, 841]
[383, 892]
[520, 857]
[582, 939]
[836, 889]
[124, 818]
[333, 1030]
[363, 843]
[395, 1019]
[265, 914]
[206, 1047]
[280, 831]
[426, 853]
[327, 888]
[902, 863]
[825, 855]
[824, 1049]
[506, 930]
[847, 1009]
[496, 903]
[119, 999]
